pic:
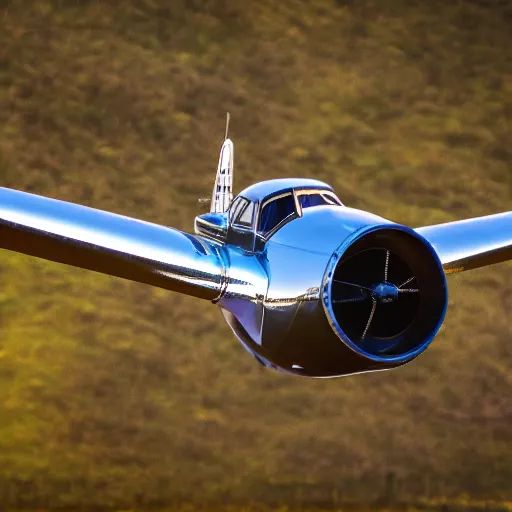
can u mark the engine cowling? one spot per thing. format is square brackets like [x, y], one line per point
[385, 294]
[380, 299]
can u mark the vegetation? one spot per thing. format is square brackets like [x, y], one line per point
[114, 394]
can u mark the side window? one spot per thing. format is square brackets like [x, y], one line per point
[244, 217]
[235, 207]
[276, 211]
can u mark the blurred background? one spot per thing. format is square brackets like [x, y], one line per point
[119, 395]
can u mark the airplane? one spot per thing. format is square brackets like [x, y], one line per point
[308, 285]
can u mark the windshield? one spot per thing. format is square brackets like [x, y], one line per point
[275, 211]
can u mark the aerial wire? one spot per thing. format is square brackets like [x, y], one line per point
[227, 125]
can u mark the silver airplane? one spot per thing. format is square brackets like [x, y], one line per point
[308, 285]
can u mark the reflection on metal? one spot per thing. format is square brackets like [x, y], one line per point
[472, 243]
[109, 243]
[328, 291]
[213, 225]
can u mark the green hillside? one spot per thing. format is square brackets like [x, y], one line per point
[114, 394]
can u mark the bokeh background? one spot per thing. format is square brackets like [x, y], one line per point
[115, 394]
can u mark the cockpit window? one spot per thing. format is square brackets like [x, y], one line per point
[241, 212]
[309, 198]
[236, 207]
[275, 211]
[245, 216]
[306, 201]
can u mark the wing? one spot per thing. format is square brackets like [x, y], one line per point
[471, 243]
[110, 244]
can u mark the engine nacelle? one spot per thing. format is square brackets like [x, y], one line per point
[399, 299]
[379, 301]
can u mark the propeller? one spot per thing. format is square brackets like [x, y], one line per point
[376, 297]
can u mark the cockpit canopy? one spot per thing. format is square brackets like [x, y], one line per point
[277, 210]
[266, 206]
[260, 210]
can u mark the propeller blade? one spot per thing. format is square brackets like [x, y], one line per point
[353, 284]
[407, 282]
[370, 319]
[346, 301]
[386, 266]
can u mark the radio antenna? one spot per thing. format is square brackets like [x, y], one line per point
[227, 125]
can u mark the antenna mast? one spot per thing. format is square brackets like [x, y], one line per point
[228, 117]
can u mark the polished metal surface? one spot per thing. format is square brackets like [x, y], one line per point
[323, 228]
[264, 189]
[111, 244]
[310, 287]
[212, 225]
[472, 243]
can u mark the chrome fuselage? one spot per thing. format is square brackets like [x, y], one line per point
[277, 291]
[273, 297]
